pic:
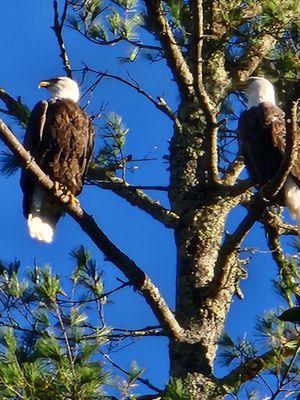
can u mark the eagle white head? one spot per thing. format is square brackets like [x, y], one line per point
[61, 88]
[258, 90]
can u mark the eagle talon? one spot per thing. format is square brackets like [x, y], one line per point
[56, 186]
[74, 201]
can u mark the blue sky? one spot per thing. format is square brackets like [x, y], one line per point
[29, 54]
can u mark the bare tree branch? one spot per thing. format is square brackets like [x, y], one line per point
[136, 197]
[233, 172]
[174, 56]
[134, 274]
[205, 103]
[274, 220]
[160, 104]
[251, 60]
[58, 27]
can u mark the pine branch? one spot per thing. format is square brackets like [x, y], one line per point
[146, 382]
[119, 39]
[58, 27]
[174, 56]
[15, 108]
[136, 197]
[137, 277]
[251, 368]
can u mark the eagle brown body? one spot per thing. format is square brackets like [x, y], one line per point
[262, 140]
[60, 138]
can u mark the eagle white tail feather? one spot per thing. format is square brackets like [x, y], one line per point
[292, 198]
[38, 229]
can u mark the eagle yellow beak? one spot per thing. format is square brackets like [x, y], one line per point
[44, 84]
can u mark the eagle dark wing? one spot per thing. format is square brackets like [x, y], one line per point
[32, 140]
[276, 118]
[262, 141]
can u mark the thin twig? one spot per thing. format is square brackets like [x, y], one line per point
[146, 382]
[67, 342]
[160, 104]
[104, 295]
[58, 27]
[117, 40]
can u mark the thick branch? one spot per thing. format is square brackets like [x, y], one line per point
[174, 56]
[254, 56]
[134, 274]
[136, 197]
[58, 27]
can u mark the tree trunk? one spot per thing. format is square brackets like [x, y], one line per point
[199, 310]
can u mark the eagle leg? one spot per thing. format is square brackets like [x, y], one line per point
[74, 201]
[71, 199]
[60, 189]
[65, 194]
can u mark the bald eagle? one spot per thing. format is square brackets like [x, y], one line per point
[262, 133]
[60, 138]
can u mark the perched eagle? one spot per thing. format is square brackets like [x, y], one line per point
[60, 138]
[262, 133]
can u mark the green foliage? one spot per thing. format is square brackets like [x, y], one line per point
[127, 385]
[240, 351]
[123, 27]
[105, 23]
[127, 5]
[9, 164]
[288, 281]
[46, 285]
[176, 390]
[87, 273]
[114, 136]
[49, 347]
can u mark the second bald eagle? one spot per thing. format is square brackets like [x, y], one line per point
[60, 137]
[262, 141]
